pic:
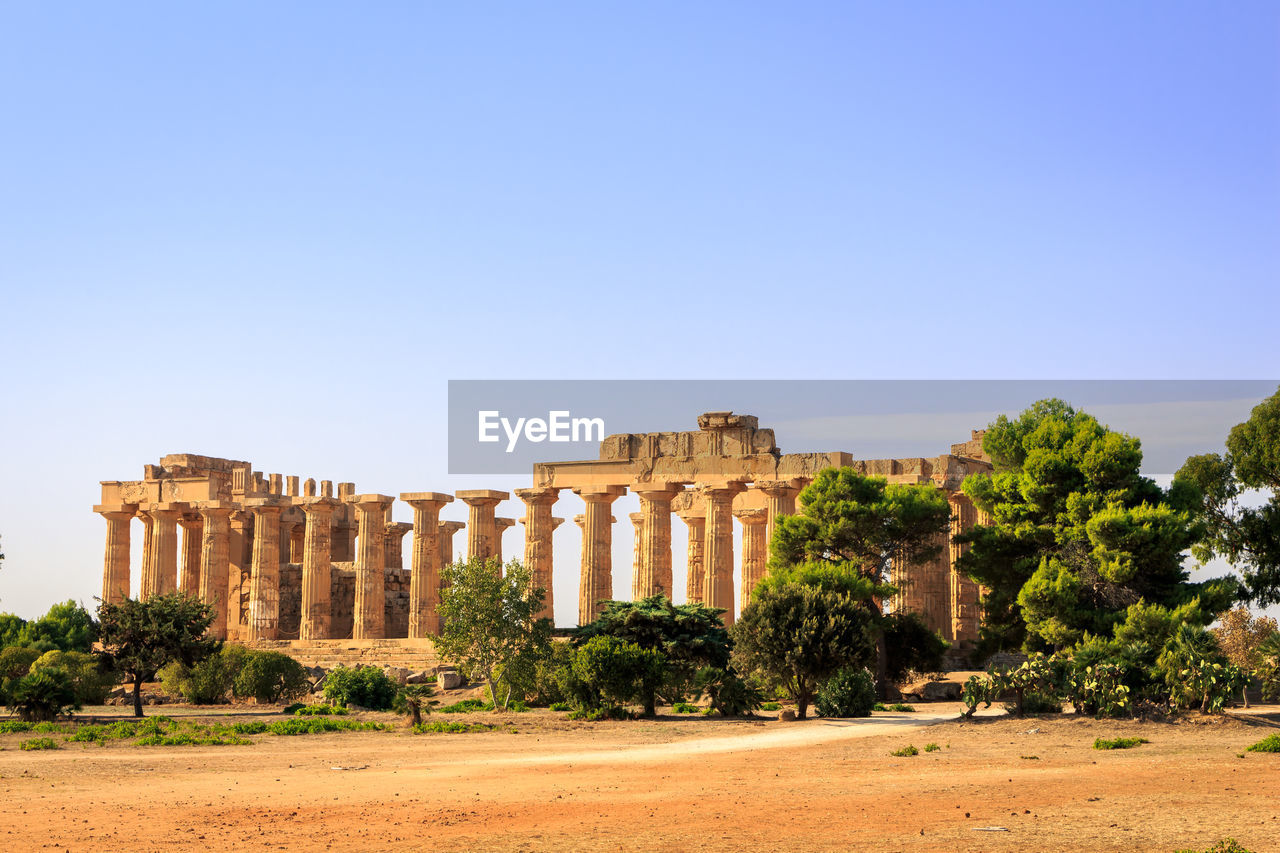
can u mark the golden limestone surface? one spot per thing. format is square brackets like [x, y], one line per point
[282, 559]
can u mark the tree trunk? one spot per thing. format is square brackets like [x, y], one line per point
[1244, 695]
[882, 667]
[802, 707]
[137, 696]
[417, 714]
[493, 696]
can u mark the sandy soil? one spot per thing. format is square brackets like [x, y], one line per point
[673, 784]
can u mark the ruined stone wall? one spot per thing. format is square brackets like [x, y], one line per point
[342, 598]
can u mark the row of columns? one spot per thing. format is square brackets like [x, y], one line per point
[206, 552]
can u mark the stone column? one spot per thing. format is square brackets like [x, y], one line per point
[780, 499]
[192, 543]
[653, 571]
[718, 587]
[264, 582]
[596, 582]
[298, 542]
[538, 552]
[317, 569]
[369, 620]
[636, 520]
[500, 526]
[215, 561]
[115, 562]
[755, 552]
[966, 598]
[239, 573]
[695, 563]
[447, 529]
[288, 526]
[395, 534]
[481, 530]
[424, 583]
[160, 556]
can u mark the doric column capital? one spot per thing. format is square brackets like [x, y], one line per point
[426, 500]
[448, 528]
[781, 488]
[600, 494]
[504, 523]
[657, 491]
[370, 502]
[164, 511]
[215, 509]
[318, 506]
[722, 491]
[117, 512]
[482, 497]
[751, 517]
[539, 495]
[271, 505]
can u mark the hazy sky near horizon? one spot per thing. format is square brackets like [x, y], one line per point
[274, 231]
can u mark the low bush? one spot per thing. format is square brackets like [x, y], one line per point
[769, 706]
[39, 743]
[848, 693]
[906, 751]
[1119, 743]
[319, 725]
[271, 676]
[1037, 702]
[414, 700]
[13, 727]
[592, 715]
[466, 706]
[300, 710]
[931, 747]
[1270, 743]
[363, 686]
[560, 706]
[685, 708]
[451, 727]
[1226, 845]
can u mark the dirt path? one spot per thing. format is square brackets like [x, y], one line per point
[676, 784]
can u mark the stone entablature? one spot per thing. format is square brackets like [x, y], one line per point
[282, 559]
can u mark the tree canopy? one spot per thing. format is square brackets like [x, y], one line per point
[491, 628]
[1076, 533]
[1247, 537]
[140, 637]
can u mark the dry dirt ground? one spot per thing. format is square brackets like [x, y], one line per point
[674, 784]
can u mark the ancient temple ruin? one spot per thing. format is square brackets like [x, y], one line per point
[284, 560]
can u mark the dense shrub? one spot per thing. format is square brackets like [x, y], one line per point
[849, 693]
[363, 686]
[43, 695]
[911, 646]
[89, 681]
[39, 743]
[728, 692]
[613, 672]
[211, 681]
[1119, 743]
[1270, 743]
[1037, 702]
[15, 662]
[270, 676]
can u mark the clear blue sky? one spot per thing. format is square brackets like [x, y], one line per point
[273, 231]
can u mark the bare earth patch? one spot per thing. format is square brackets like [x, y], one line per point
[673, 784]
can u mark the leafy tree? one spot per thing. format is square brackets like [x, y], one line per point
[490, 620]
[1243, 637]
[850, 530]
[209, 682]
[800, 635]
[11, 629]
[1247, 537]
[139, 637]
[615, 672]
[688, 636]
[67, 626]
[1076, 534]
[15, 662]
[911, 646]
